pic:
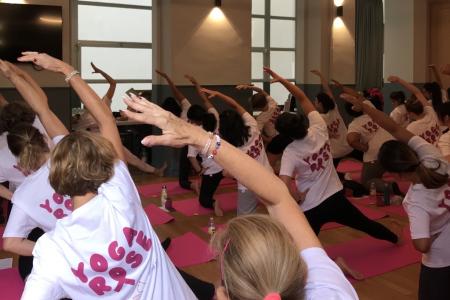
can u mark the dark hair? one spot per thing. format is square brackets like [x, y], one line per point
[434, 89]
[443, 111]
[326, 101]
[398, 157]
[259, 101]
[398, 96]
[209, 122]
[14, 113]
[414, 106]
[195, 113]
[171, 105]
[233, 129]
[292, 125]
[349, 109]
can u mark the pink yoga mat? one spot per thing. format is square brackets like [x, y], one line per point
[173, 188]
[11, 285]
[373, 257]
[349, 166]
[394, 210]
[188, 250]
[157, 216]
[367, 211]
[191, 207]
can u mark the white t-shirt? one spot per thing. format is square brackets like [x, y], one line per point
[444, 144]
[371, 134]
[337, 133]
[105, 249]
[9, 170]
[400, 115]
[429, 209]
[325, 280]
[266, 119]
[210, 165]
[254, 146]
[36, 204]
[310, 158]
[426, 127]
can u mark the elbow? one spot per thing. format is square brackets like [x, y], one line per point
[422, 245]
[8, 245]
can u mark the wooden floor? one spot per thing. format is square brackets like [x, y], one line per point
[400, 284]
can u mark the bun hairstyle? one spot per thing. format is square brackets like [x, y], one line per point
[292, 125]
[258, 257]
[27, 144]
[259, 101]
[326, 101]
[233, 129]
[398, 157]
[14, 113]
[414, 106]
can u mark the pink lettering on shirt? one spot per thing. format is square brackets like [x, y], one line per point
[59, 207]
[316, 161]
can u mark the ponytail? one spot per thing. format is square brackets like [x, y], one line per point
[430, 177]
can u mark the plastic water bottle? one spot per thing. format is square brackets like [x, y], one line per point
[163, 196]
[211, 226]
[387, 195]
[373, 191]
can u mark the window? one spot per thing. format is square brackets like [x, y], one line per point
[116, 35]
[273, 43]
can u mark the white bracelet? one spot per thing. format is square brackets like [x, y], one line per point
[70, 75]
[208, 144]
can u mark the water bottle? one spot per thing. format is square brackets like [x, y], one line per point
[373, 191]
[163, 196]
[211, 226]
[387, 195]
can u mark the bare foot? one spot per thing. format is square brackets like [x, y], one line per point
[160, 171]
[217, 210]
[397, 228]
[347, 270]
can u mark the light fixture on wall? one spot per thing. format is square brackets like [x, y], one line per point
[218, 3]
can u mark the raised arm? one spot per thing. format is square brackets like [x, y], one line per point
[411, 88]
[107, 98]
[175, 91]
[253, 88]
[304, 101]
[380, 118]
[206, 102]
[228, 100]
[36, 99]
[324, 82]
[437, 75]
[272, 191]
[345, 89]
[100, 112]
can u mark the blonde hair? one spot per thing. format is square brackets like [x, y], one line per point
[29, 146]
[80, 163]
[258, 256]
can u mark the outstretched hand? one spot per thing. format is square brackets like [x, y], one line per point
[337, 83]
[210, 93]
[45, 61]
[356, 102]
[175, 132]
[316, 72]
[96, 69]
[445, 69]
[245, 87]
[162, 74]
[6, 68]
[271, 73]
[393, 79]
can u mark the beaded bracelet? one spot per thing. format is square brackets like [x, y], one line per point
[208, 144]
[70, 75]
[216, 149]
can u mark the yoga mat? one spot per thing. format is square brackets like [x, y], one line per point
[395, 210]
[11, 285]
[373, 257]
[173, 188]
[188, 250]
[191, 207]
[157, 216]
[349, 166]
[367, 211]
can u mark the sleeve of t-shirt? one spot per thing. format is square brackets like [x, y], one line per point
[287, 167]
[443, 144]
[192, 151]
[355, 126]
[57, 139]
[185, 105]
[43, 283]
[249, 120]
[266, 116]
[19, 224]
[396, 116]
[419, 222]
[325, 280]
[317, 123]
[424, 149]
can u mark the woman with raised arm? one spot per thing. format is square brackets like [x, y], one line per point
[424, 121]
[399, 113]
[184, 167]
[240, 129]
[427, 202]
[308, 159]
[210, 172]
[107, 246]
[290, 262]
[87, 122]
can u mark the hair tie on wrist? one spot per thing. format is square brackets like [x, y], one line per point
[272, 296]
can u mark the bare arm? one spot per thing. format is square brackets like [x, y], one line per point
[175, 91]
[19, 246]
[206, 102]
[324, 82]
[381, 119]
[411, 88]
[304, 101]
[228, 100]
[3, 101]
[272, 190]
[5, 192]
[37, 100]
[346, 89]
[107, 98]
[100, 112]
[437, 75]
[253, 88]
[354, 140]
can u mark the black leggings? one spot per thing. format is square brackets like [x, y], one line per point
[208, 188]
[338, 209]
[434, 283]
